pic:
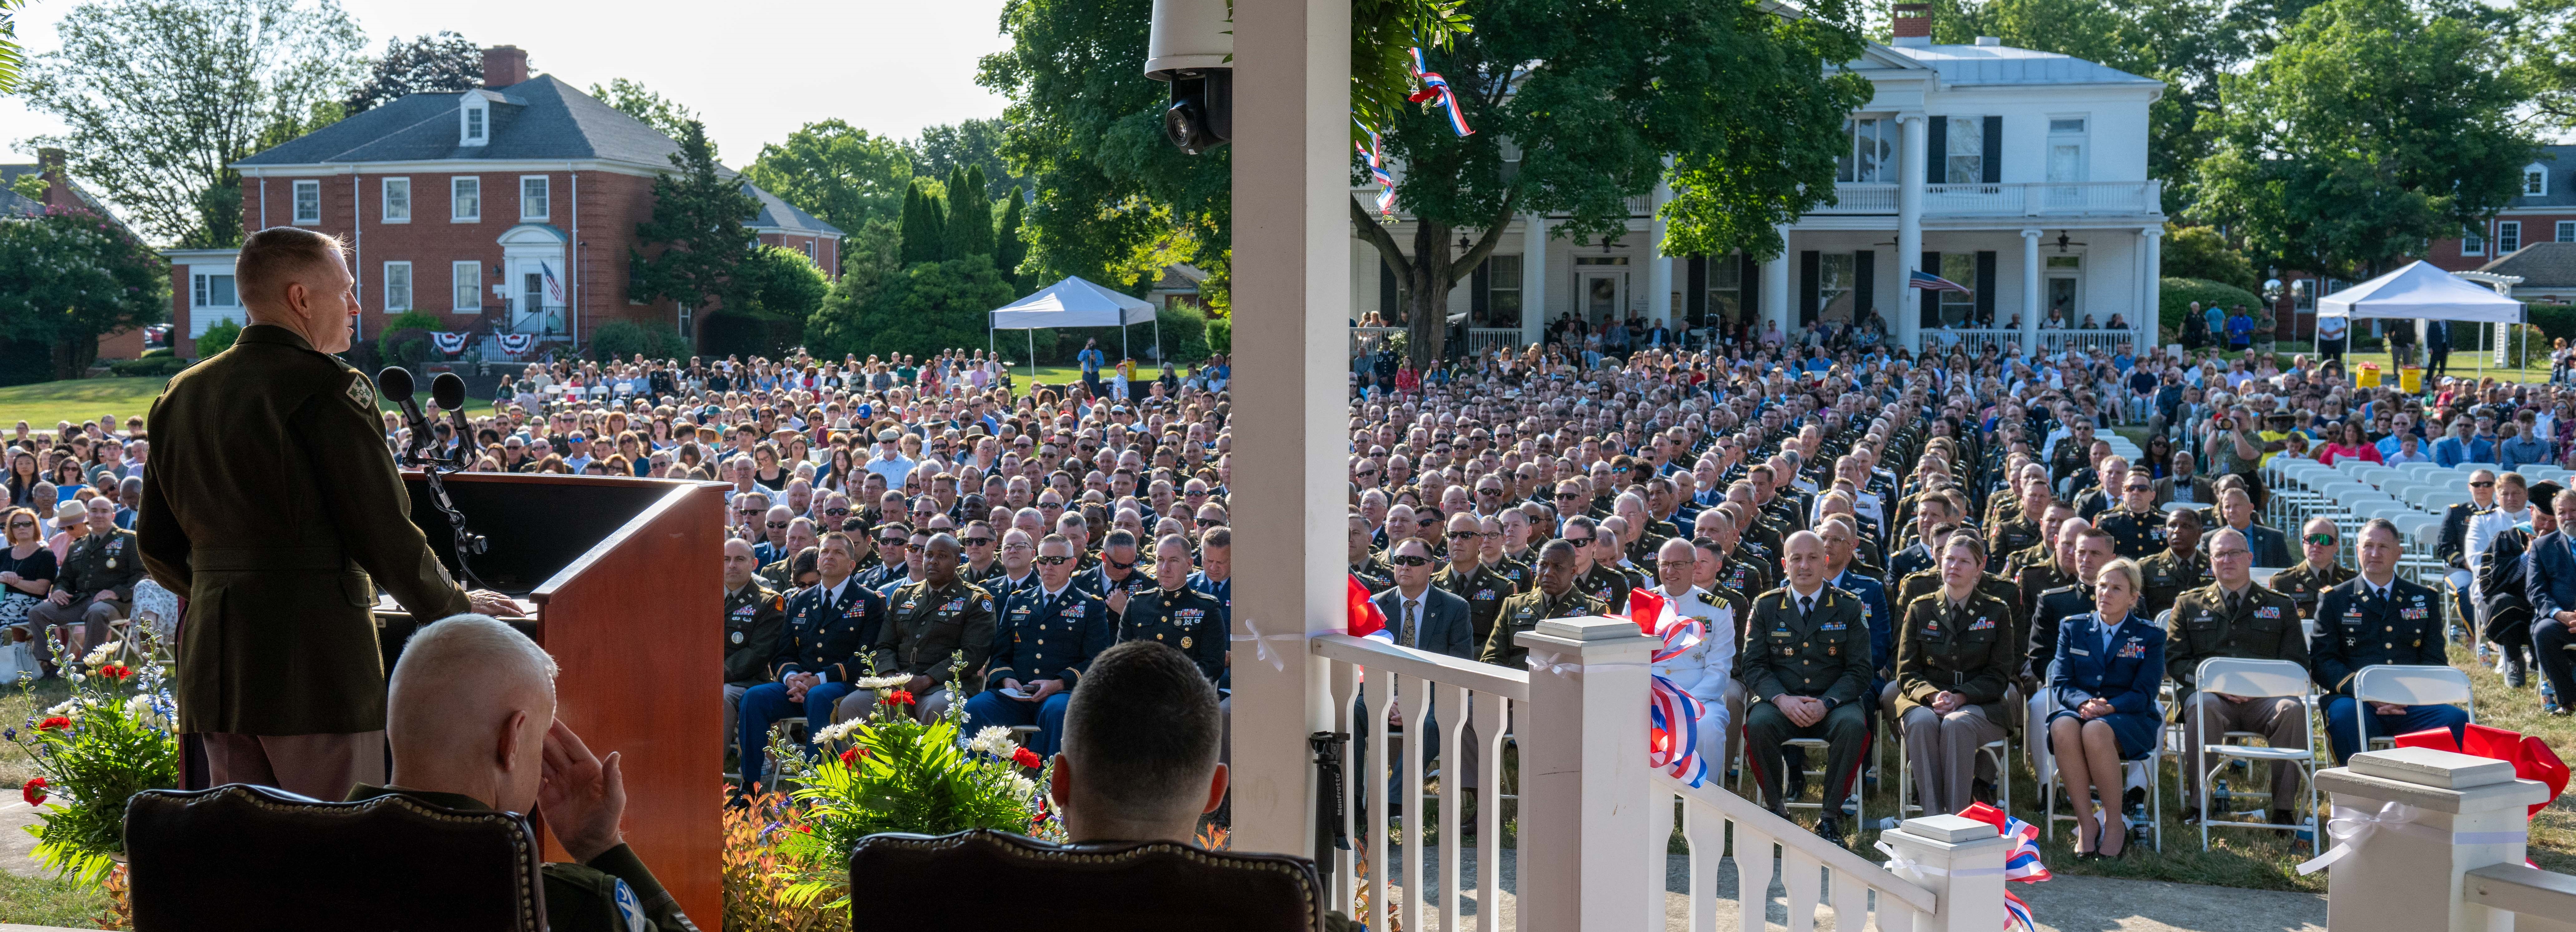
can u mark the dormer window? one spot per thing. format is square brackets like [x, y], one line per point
[475, 120]
[2535, 180]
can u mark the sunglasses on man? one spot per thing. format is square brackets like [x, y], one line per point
[1409, 560]
[1052, 560]
[2321, 540]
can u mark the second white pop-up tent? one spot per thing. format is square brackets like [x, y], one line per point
[1074, 302]
[2423, 291]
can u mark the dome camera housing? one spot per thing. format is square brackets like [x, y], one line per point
[1191, 48]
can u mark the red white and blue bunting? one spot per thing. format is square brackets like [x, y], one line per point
[518, 344]
[1672, 744]
[449, 343]
[1436, 91]
[1436, 88]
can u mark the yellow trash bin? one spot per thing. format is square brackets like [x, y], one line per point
[2411, 380]
[2369, 377]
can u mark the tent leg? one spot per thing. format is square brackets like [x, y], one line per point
[1033, 362]
[1158, 338]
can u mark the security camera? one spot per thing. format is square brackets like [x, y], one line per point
[1191, 48]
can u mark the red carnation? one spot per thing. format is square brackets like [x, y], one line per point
[1027, 758]
[850, 758]
[116, 672]
[34, 791]
[897, 697]
[56, 723]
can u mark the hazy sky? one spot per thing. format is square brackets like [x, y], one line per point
[753, 69]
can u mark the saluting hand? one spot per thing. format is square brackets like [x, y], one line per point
[583, 797]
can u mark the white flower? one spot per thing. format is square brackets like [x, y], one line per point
[77, 678]
[104, 651]
[994, 740]
[66, 707]
[1023, 787]
[880, 682]
[138, 706]
[839, 731]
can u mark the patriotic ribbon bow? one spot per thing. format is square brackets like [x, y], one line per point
[1672, 744]
[2531, 757]
[2021, 861]
[1374, 154]
[1436, 88]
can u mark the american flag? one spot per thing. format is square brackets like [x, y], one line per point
[1930, 282]
[554, 289]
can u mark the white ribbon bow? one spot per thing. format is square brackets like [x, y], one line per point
[2351, 827]
[1543, 662]
[1260, 647]
[1899, 863]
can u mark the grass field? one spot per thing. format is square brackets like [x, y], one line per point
[44, 404]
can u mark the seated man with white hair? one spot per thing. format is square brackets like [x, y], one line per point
[471, 721]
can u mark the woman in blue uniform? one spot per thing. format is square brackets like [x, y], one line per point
[2110, 663]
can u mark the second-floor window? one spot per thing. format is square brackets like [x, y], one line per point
[397, 200]
[1869, 152]
[1963, 158]
[308, 202]
[532, 198]
[466, 194]
[397, 286]
[2535, 180]
[2471, 244]
[2567, 231]
[2508, 236]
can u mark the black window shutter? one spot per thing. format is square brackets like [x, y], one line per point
[1985, 284]
[1480, 284]
[1695, 294]
[1386, 293]
[1994, 155]
[1931, 299]
[1936, 148]
[1750, 304]
[1809, 288]
[1864, 284]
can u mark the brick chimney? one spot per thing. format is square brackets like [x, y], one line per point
[505, 65]
[58, 183]
[1912, 21]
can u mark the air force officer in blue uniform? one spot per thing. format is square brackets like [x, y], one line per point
[2377, 618]
[1047, 635]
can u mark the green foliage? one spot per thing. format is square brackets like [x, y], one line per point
[2175, 295]
[1009, 250]
[1220, 335]
[977, 143]
[925, 223]
[970, 216]
[158, 96]
[429, 64]
[69, 277]
[12, 57]
[2556, 321]
[1382, 33]
[925, 308]
[2200, 252]
[650, 108]
[415, 320]
[218, 337]
[31, 185]
[150, 366]
[2371, 129]
[625, 339]
[697, 220]
[1185, 334]
[780, 282]
[836, 171]
[2524, 344]
[112, 739]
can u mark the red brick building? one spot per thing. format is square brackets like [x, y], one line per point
[510, 209]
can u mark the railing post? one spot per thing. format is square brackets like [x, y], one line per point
[2457, 813]
[1961, 860]
[1584, 781]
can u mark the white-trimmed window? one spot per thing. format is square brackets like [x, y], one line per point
[469, 286]
[397, 287]
[397, 200]
[465, 199]
[474, 120]
[533, 199]
[2472, 244]
[2508, 236]
[208, 289]
[308, 202]
[2535, 179]
[2567, 231]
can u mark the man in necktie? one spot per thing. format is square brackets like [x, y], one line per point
[2376, 618]
[1424, 618]
[1806, 672]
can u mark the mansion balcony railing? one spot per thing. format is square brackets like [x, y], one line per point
[2094, 342]
[2006, 199]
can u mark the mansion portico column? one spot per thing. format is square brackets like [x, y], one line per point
[2151, 291]
[1909, 231]
[1659, 274]
[2030, 309]
[1775, 287]
[1534, 279]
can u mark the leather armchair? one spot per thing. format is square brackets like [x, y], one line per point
[1081, 888]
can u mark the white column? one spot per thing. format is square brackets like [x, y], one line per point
[1292, 94]
[2467, 813]
[1659, 277]
[1775, 286]
[1909, 230]
[1534, 314]
[1961, 861]
[2151, 301]
[1583, 773]
[2030, 309]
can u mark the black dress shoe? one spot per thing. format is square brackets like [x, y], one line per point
[1796, 787]
[1830, 828]
[1983, 791]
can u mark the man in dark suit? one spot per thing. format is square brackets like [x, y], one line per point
[2271, 548]
[2376, 619]
[2452, 547]
[2183, 482]
[2504, 589]
[1420, 616]
[2551, 585]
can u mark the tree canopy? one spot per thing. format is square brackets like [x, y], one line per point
[651, 108]
[441, 63]
[69, 277]
[967, 143]
[836, 171]
[697, 223]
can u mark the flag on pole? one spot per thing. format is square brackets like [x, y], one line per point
[1930, 282]
[554, 289]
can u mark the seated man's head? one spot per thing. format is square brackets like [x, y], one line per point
[1140, 748]
[470, 704]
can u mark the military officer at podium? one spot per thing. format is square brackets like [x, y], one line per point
[276, 508]
[755, 617]
[1176, 614]
[824, 649]
[1047, 634]
[930, 620]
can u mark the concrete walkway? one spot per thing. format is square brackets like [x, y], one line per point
[2066, 904]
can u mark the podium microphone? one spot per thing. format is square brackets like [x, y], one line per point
[395, 382]
[447, 391]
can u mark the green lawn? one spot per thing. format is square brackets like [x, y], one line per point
[44, 404]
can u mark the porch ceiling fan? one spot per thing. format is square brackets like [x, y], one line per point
[2062, 242]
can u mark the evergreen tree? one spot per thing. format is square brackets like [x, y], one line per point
[1009, 250]
[970, 215]
[925, 224]
[697, 220]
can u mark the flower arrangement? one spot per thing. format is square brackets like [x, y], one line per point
[755, 883]
[112, 739]
[886, 772]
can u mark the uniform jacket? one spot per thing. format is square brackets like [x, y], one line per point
[1882, 620]
[2356, 629]
[2167, 576]
[2550, 575]
[755, 618]
[1445, 625]
[2128, 677]
[2052, 607]
[2304, 583]
[926, 624]
[1706, 668]
[2452, 545]
[1042, 638]
[2133, 535]
[2264, 626]
[277, 509]
[1523, 612]
[579, 897]
[1967, 650]
[1484, 590]
[1824, 655]
[1186, 618]
[101, 562]
[2270, 546]
[832, 643]
[2199, 486]
[1608, 585]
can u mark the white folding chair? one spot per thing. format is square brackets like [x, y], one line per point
[1998, 750]
[2044, 762]
[2260, 679]
[2407, 684]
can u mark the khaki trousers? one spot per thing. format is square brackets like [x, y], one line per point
[732, 714]
[96, 620]
[2281, 720]
[1942, 749]
[322, 766]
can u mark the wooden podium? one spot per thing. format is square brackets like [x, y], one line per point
[628, 581]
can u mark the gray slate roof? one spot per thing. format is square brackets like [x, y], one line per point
[777, 214]
[1973, 65]
[2541, 265]
[12, 205]
[2561, 189]
[543, 119]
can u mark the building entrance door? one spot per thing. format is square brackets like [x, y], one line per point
[1603, 296]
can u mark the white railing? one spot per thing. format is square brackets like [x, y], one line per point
[2448, 857]
[1805, 861]
[1971, 337]
[1861, 199]
[2033, 199]
[2094, 342]
[1481, 340]
[1371, 339]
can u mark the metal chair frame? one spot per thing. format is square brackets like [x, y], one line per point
[2265, 679]
[2407, 684]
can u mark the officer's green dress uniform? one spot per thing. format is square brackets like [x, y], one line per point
[1608, 585]
[2168, 575]
[109, 561]
[1523, 612]
[2305, 583]
[755, 618]
[614, 892]
[1484, 591]
[274, 504]
[2009, 539]
[1966, 649]
[1192, 621]
[926, 624]
[1822, 654]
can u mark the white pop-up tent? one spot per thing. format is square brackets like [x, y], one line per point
[2421, 291]
[1074, 302]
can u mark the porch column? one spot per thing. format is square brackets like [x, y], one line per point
[2030, 309]
[1659, 275]
[1583, 775]
[1909, 230]
[1292, 94]
[1775, 287]
[1534, 280]
[2151, 303]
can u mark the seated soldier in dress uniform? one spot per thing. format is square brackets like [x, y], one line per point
[471, 721]
[2180, 568]
[1045, 638]
[2320, 571]
[1553, 597]
[824, 649]
[2136, 530]
[2403, 619]
[2233, 617]
[1806, 672]
[926, 623]
[1468, 577]
[754, 619]
[1177, 614]
[1954, 665]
